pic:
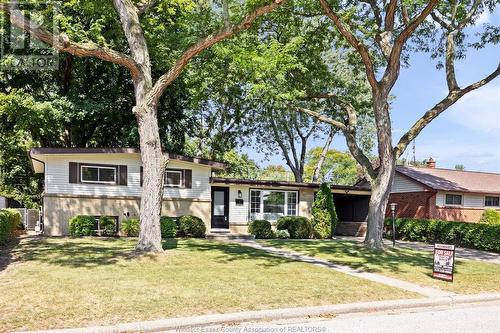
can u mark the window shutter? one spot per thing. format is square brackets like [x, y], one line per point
[188, 178]
[142, 176]
[74, 176]
[123, 175]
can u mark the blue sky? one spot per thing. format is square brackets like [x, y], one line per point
[468, 133]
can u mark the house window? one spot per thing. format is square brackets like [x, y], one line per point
[271, 204]
[255, 202]
[492, 201]
[453, 199]
[98, 174]
[173, 178]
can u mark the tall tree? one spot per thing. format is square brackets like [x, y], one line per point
[337, 167]
[380, 33]
[136, 58]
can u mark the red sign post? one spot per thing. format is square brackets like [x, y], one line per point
[444, 262]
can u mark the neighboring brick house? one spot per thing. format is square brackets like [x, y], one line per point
[454, 195]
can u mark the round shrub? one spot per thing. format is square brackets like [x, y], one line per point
[282, 234]
[490, 216]
[130, 227]
[107, 225]
[81, 225]
[191, 226]
[261, 229]
[168, 227]
[298, 227]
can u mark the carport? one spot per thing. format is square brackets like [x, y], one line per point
[351, 204]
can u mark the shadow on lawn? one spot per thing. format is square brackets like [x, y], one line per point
[227, 252]
[8, 253]
[82, 252]
[356, 256]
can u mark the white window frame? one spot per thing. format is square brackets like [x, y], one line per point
[454, 205]
[261, 213]
[181, 178]
[491, 196]
[98, 167]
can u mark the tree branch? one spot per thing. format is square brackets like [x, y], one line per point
[322, 118]
[355, 43]
[145, 5]
[393, 66]
[389, 15]
[443, 105]
[62, 43]
[204, 44]
[347, 106]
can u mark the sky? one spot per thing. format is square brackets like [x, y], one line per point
[467, 133]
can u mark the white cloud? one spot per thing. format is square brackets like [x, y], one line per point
[479, 110]
[484, 17]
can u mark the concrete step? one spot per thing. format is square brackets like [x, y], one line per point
[227, 236]
[357, 229]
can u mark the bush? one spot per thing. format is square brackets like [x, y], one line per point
[324, 217]
[490, 216]
[479, 236]
[297, 226]
[282, 234]
[261, 229]
[191, 226]
[130, 227]
[81, 225]
[107, 225]
[168, 227]
[10, 221]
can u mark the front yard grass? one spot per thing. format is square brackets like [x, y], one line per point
[470, 276]
[65, 282]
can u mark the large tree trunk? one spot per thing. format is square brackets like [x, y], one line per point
[153, 163]
[381, 184]
[381, 189]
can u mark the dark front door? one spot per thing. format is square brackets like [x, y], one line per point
[220, 207]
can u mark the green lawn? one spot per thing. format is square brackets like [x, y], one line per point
[63, 282]
[414, 266]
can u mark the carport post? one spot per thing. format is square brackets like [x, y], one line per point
[393, 210]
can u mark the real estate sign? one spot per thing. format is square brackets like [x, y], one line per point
[444, 261]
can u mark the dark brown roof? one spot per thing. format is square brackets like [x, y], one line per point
[278, 183]
[453, 180]
[56, 151]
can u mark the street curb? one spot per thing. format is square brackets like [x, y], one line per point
[278, 314]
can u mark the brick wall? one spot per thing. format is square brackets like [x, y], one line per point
[413, 204]
[423, 205]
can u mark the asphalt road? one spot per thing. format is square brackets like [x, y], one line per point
[470, 319]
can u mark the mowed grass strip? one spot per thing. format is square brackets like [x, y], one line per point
[64, 282]
[470, 276]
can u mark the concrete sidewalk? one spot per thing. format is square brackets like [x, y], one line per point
[424, 291]
[460, 252]
[297, 314]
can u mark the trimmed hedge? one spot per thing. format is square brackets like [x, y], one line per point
[130, 227]
[282, 234]
[81, 225]
[168, 227]
[261, 229]
[191, 226]
[471, 235]
[10, 221]
[298, 227]
[107, 225]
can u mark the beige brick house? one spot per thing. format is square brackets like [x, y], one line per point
[107, 182]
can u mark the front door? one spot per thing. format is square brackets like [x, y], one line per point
[220, 207]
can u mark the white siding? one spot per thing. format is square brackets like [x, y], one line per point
[3, 202]
[239, 214]
[57, 177]
[402, 184]
[470, 200]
